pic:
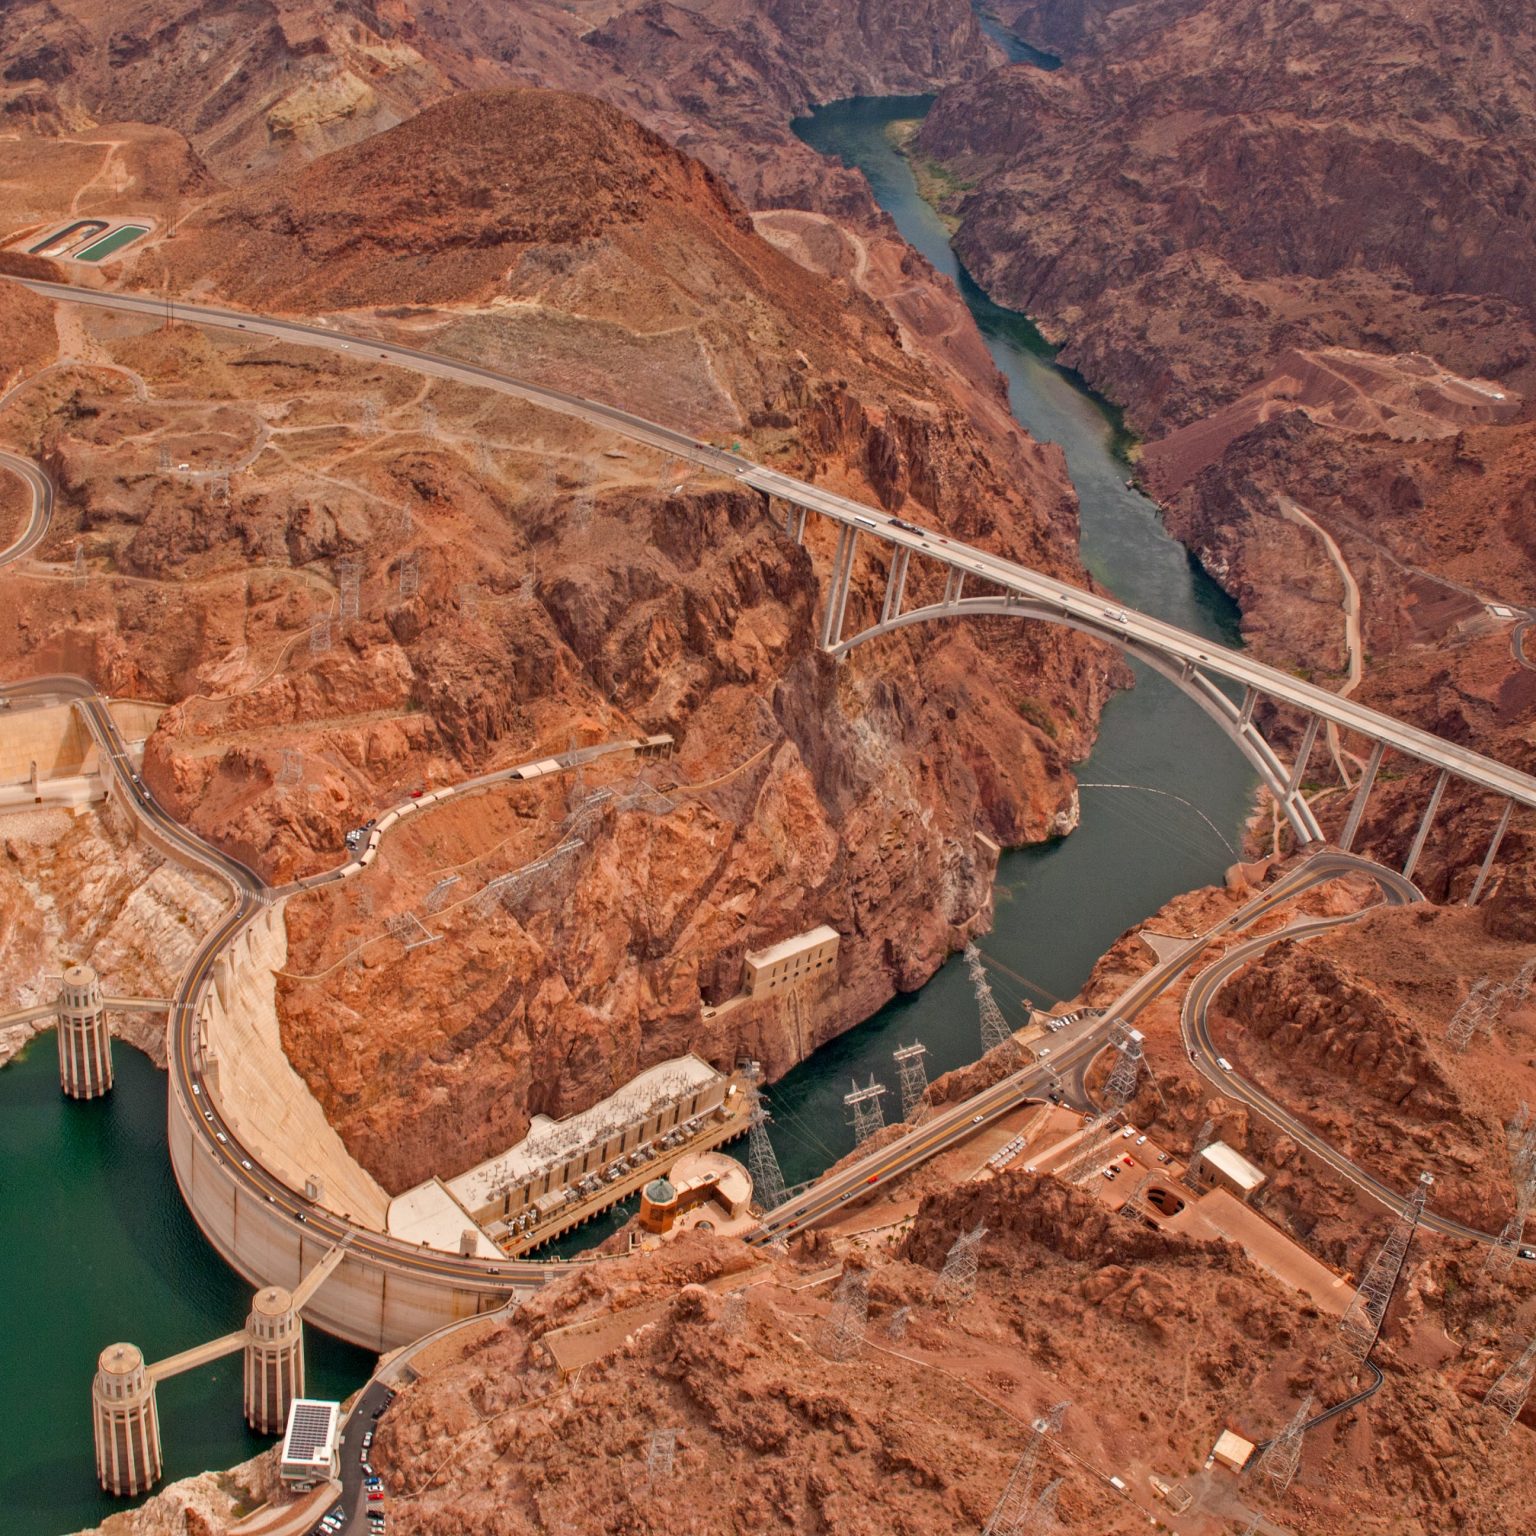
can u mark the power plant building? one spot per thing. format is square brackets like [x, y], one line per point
[766, 971]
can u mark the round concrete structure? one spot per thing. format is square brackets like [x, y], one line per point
[85, 1043]
[274, 1359]
[126, 1421]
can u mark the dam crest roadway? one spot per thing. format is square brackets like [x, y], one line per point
[385, 1292]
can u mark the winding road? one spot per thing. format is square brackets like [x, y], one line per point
[42, 506]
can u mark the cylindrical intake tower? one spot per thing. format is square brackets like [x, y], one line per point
[85, 1043]
[127, 1422]
[274, 1359]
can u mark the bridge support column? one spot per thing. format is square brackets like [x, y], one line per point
[85, 1041]
[1250, 698]
[1493, 848]
[837, 590]
[954, 582]
[1423, 833]
[274, 1360]
[1303, 755]
[1362, 794]
[895, 585]
[126, 1421]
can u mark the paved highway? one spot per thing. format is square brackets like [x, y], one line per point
[1194, 1023]
[42, 506]
[1023, 590]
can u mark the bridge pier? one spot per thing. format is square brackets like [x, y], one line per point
[837, 591]
[1303, 755]
[1493, 848]
[126, 1421]
[954, 583]
[895, 585]
[1362, 794]
[1245, 714]
[85, 1041]
[1429, 816]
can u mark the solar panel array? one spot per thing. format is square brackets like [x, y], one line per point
[310, 1426]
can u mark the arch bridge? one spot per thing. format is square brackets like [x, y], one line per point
[959, 580]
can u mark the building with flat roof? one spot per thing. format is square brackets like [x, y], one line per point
[766, 971]
[1219, 1166]
[309, 1445]
[560, 1161]
[1231, 1450]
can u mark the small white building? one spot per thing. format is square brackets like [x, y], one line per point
[1219, 1166]
[790, 960]
[309, 1445]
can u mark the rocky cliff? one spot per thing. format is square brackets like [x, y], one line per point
[566, 584]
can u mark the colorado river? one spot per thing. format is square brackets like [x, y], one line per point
[1059, 907]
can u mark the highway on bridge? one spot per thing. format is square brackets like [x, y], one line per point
[1137, 634]
[41, 514]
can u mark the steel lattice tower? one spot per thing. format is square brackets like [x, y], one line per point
[994, 1027]
[1015, 1506]
[1093, 1147]
[1476, 1007]
[1042, 1514]
[868, 1117]
[1508, 1394]
[1362, 1322]
[658, 1461]
[1522, 1174]
[762, 1160]
[842, 1334]
[897, 1326]
[733, 1315]
[1282, 1455]
[914, 1080]
[1120, 1085]
[957, 1280]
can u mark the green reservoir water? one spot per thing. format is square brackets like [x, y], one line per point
[99, 1247]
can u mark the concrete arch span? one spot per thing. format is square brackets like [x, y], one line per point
[1234, 719]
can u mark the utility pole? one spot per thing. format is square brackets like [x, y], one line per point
[1362, 1322]
[1507, 1395]
[957, 1280]
[994, 1027]
[868, 1116]
[1018, 1504]
[842, 1333]
[1282, 1455]
[762, 1160]
[913, 1074]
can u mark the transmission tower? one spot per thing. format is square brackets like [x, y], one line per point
[1475, 1010]
[1017, 1506]
[319, 634]
[842, 1333]
[165, 457]
[658, 1461]
[80, 571]
[1362, 1322]
[349, 581]
[762, 1160]
[410, 573]
[370, 416]
[1095, 1144]
[1282, 1455]
[439, 893]
[1522, 1168]
[292, 769]
[1120, 1085]
[897, 1327]
[1042, 1515]
[469, 600]
[994, 1027]
[428, 418]
[733, 1315]
[1508, 1394]
[957, 1280]
[914, 1080]
[868, 1116]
